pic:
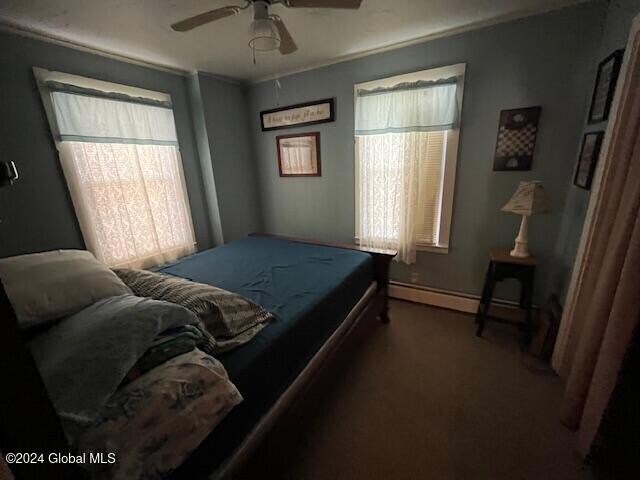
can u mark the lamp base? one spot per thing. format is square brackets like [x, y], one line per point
[521, 249]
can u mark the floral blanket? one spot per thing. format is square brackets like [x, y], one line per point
[155, 422]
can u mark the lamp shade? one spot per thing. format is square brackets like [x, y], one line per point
[263, 35]
[528, 199]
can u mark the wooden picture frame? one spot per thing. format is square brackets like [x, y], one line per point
[307, 161]
[298, 115]
[605, 86]
[587, 160]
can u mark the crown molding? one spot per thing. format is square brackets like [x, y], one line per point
[10, 27]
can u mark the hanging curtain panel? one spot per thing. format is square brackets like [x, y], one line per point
[401, 137]
[122, 164]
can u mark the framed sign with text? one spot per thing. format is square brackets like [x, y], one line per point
[299, 115]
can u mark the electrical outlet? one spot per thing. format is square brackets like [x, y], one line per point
[414, 277]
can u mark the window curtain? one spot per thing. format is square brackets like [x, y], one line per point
[606, 317]
[392, 143]
[122, 164]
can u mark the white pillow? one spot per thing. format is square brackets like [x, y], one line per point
[50, 285]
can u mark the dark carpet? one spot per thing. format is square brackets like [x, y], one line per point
[424, 398]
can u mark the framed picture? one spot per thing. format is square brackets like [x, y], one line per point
[517, 132]
[299, 154]
[587, 160]
[320, 111]
[608, 71]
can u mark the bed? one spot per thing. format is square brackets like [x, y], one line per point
[317, 293]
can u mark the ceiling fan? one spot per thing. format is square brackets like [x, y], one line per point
[268, 32]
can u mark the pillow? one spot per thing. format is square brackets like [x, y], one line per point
[224, 314]
[44, 287]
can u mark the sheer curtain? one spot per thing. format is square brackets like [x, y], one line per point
[397, 179]
[121, 161]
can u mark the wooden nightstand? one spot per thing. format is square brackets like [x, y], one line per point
[502, 266]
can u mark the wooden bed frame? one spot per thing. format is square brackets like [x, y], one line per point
[29, 423]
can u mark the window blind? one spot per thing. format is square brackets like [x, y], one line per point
[431, 175]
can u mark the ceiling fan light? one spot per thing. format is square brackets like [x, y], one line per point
[264, 35]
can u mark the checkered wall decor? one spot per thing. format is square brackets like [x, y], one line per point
[516, 141]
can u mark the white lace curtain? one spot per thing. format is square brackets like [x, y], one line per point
[123, 169]
[397, 178]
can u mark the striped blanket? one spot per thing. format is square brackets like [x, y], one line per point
[232, 319]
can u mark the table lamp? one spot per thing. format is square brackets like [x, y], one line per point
[528, 200]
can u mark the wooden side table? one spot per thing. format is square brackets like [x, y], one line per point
[502, 266]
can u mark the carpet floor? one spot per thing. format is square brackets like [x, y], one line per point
[424, 398]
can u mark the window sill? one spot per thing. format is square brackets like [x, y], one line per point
[441, 249]
[423, 247]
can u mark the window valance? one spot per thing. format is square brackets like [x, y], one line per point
[56, 86]
[421, 106]
[98, 119]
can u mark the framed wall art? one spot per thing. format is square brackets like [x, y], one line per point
[517, 132]
[299, 154]
[608, 71]
[311, 113]
[588, 159]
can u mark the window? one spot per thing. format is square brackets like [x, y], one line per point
[119, 152]
[406, 143]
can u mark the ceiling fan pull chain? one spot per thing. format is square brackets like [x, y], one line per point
[276, 81]
[278, 87]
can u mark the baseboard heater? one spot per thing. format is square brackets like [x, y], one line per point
[462, 302]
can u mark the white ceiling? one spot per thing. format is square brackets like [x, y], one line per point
[139, 29]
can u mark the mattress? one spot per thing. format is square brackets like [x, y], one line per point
[310, 289]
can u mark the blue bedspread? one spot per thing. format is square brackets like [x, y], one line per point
[309, 289]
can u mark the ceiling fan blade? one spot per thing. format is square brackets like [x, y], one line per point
[287, 45]
[324, 3]
[197, 20]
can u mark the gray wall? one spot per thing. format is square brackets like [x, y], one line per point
[544, 60]
[614, 36]
[227, 125]
[204, 153]
[36, 212]
[230, 165]
[212, 125]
